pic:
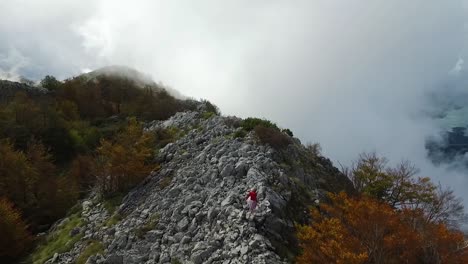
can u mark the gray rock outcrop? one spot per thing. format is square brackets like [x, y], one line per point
[193, 209]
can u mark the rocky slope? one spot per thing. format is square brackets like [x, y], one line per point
[193, 209]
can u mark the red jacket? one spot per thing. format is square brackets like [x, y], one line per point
[252, 195]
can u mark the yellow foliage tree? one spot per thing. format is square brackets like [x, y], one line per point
[123, 163]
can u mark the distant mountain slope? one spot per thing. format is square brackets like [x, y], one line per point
[139, 78]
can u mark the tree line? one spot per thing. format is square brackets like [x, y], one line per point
[85, 133]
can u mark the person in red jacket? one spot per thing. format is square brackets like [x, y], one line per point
[252, 199]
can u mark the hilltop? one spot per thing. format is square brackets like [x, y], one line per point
[139, 78]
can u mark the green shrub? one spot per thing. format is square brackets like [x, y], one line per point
[208, 115]
[273, 137]
[114, 219]
[50, 83]
[93, 248]
[175, 261]
[150, 225]
[232, 121]
[164, 136]
[314, 148]
[112, 202]
[288, 132]
[166, 181]
[240, 134]
[209, 107]
[250, 123]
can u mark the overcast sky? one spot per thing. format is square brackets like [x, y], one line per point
[352, 75]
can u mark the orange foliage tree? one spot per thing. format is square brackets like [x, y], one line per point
[365, 230]
[328, 241]
[14, 237]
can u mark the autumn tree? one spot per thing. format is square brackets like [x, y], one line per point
[81, 172]
[328, 241]
[52, 193]
[356, 230]
[366, 230]
[29, 179]
[123, 162]
[446, 208]
[14, 236]
[16, 175]
[401, 188]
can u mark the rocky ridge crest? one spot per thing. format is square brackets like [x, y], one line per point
[193, 209]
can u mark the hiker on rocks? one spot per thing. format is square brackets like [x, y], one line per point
[317, 205]
[252, 199]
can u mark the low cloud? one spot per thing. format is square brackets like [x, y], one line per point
[11, 65]
[354, 76]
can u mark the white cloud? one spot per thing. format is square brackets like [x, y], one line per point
[458, 67]
[11, 64]
[352, 75]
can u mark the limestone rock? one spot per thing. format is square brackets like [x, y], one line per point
[202, 216]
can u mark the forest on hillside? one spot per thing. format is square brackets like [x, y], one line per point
[56, 146]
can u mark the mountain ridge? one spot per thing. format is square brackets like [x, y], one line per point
[197, 198]
[8, 89]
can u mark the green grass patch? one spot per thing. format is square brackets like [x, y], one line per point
[76, 209]
[59, 241]
[164, 136]
[240, 134]
[197, 127]
[208, 115]
[175, 261]
[166, 181]
[112, 202]
[150, 225]
[93, 248]
[114, 219]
